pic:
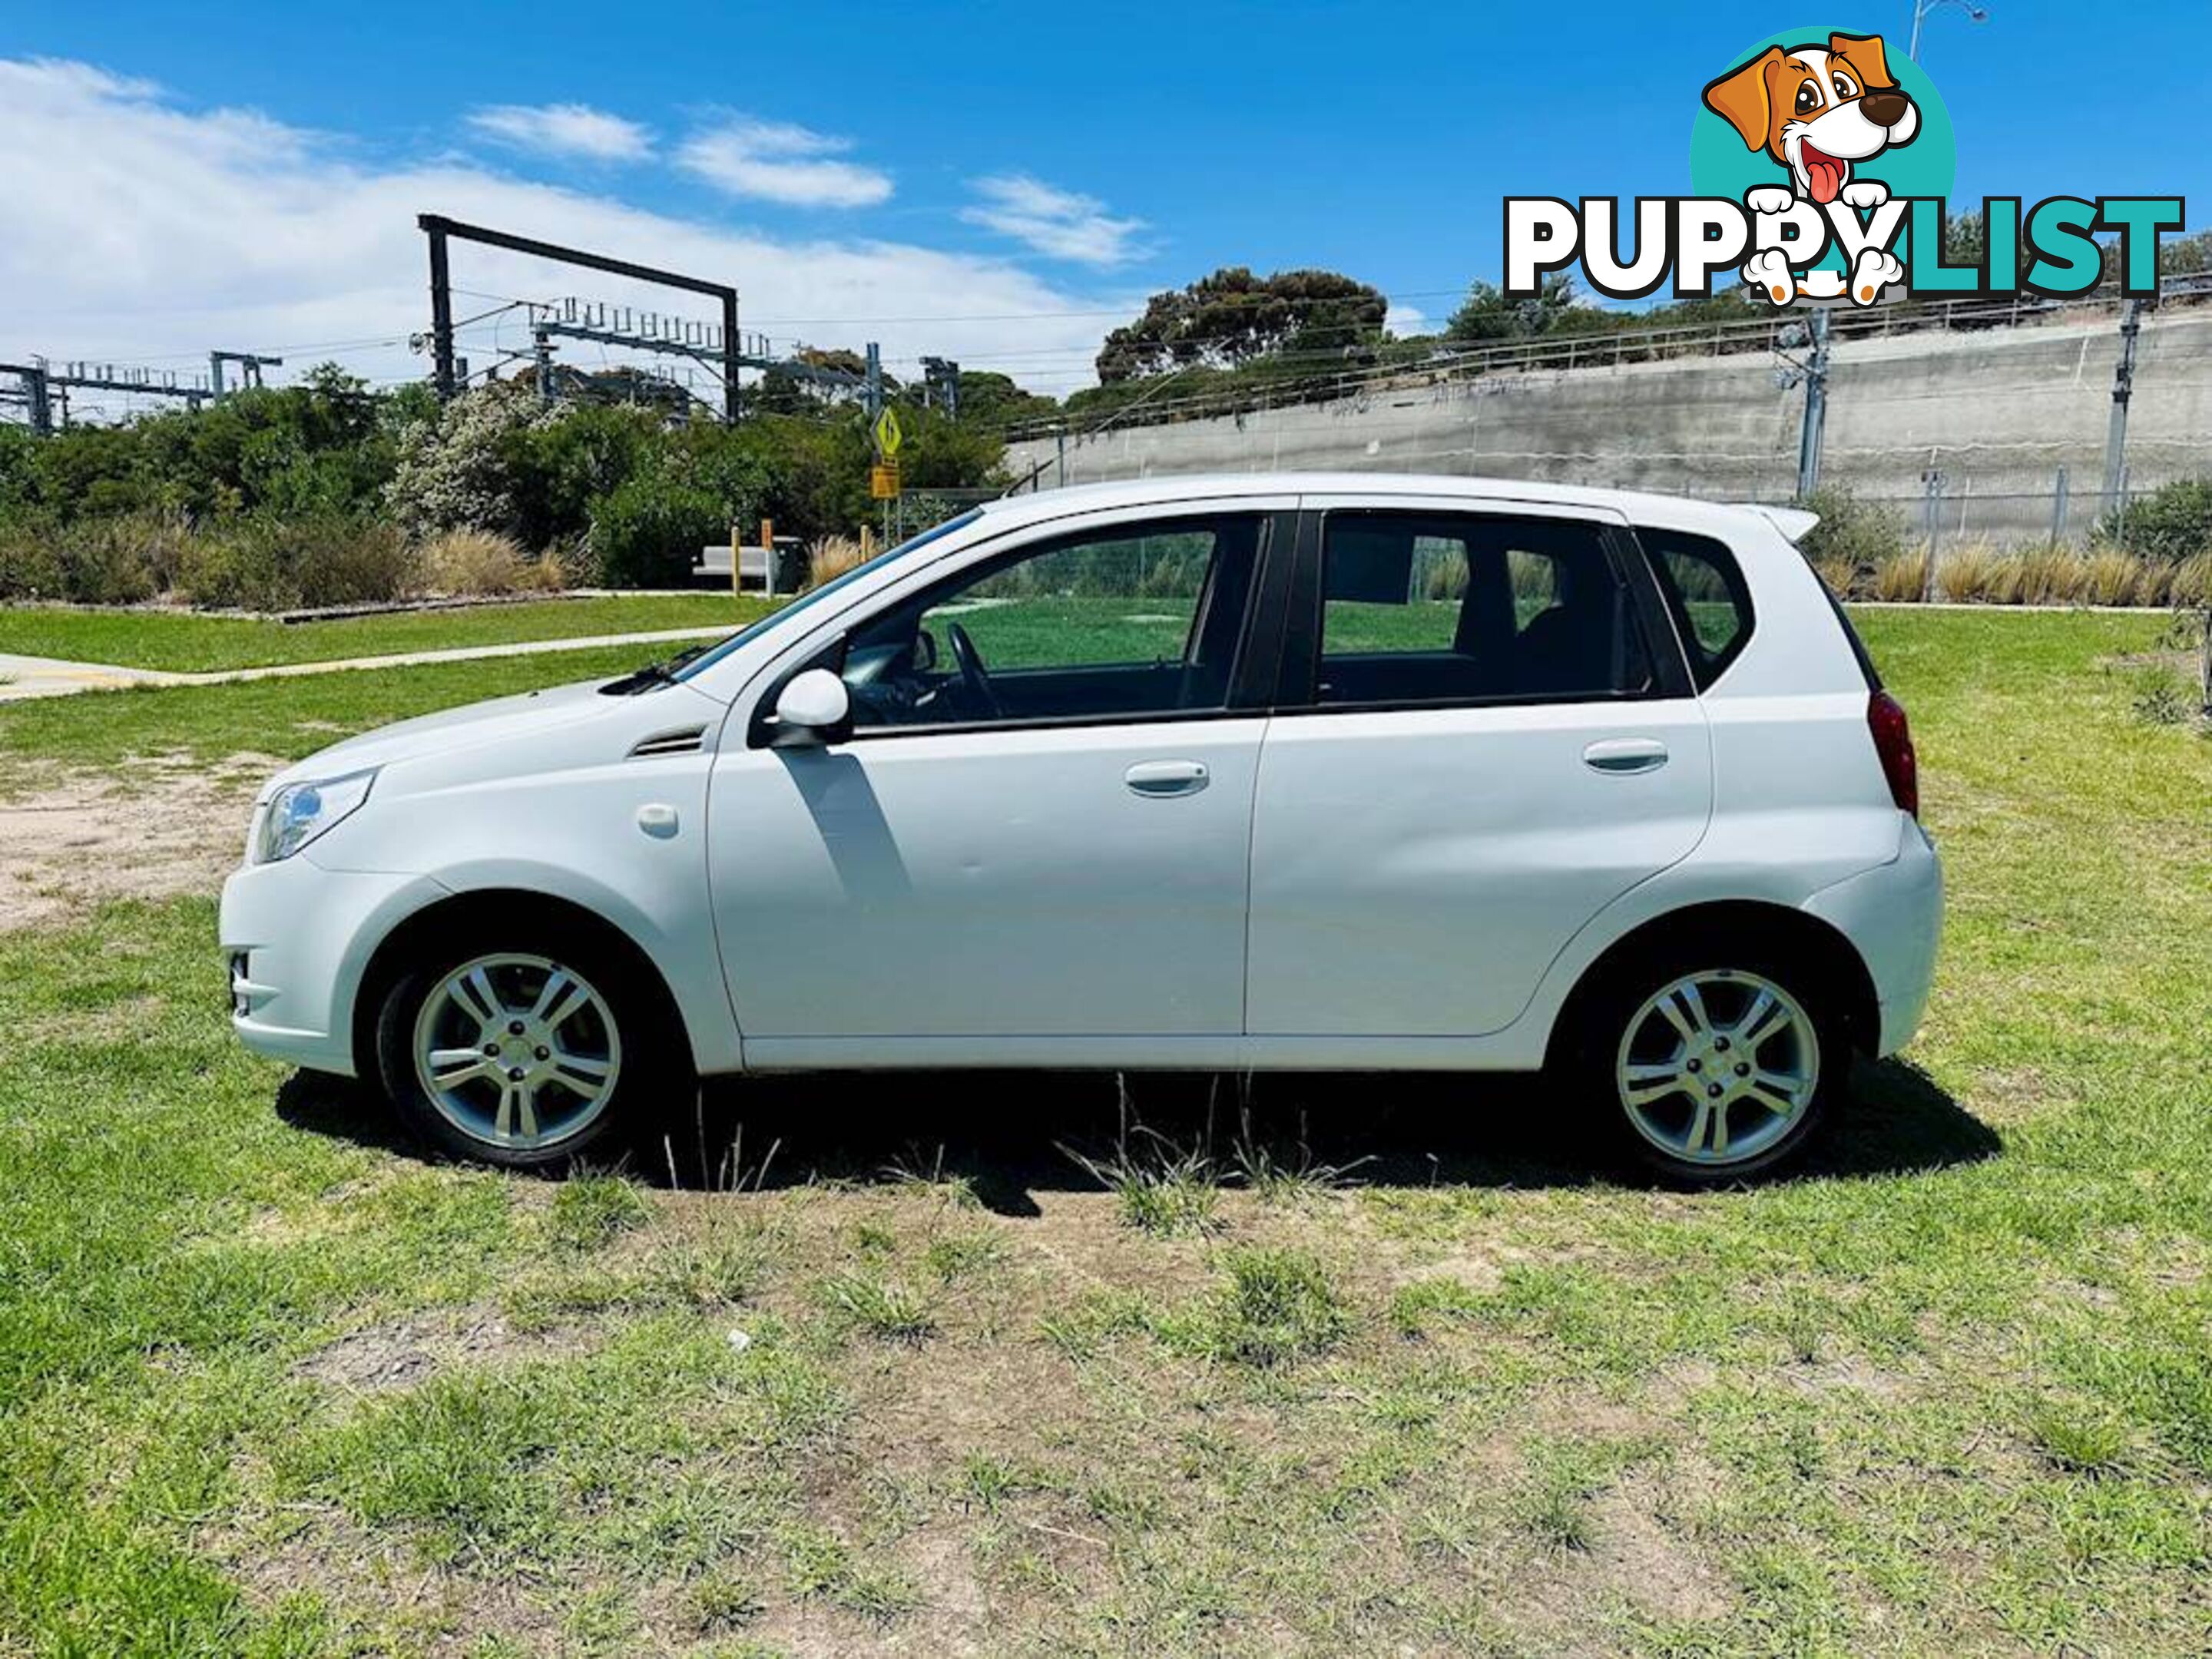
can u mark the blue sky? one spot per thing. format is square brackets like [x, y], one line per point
[862, 163]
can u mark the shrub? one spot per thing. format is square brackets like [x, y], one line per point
[2172, 523]
[268, 564]
[343, 562]
[648, 532]
[1853, 540]
[233, 567]
[461, 468]
[30, 561]
[560, 465]
[123, 560]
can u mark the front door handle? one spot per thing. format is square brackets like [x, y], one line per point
[1166, 777]
[1624, 755]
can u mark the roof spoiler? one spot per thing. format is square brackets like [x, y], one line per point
[1792, 522]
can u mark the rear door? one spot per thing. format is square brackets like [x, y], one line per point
[1485, 732]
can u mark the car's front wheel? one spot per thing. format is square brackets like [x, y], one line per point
[527, 1053]
[1709, 1065]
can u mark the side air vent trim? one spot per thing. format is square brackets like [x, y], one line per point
[682, 741]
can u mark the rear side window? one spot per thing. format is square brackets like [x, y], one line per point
[1705, 590]
[1446, 608]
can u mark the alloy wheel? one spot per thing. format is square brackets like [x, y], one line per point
[1718, 1067]
[517, 1051]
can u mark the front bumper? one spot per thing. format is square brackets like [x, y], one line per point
[1894, 915]
[299, 939]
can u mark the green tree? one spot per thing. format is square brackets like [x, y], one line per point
[992, 401]
[560, 465]
[1233, 317]
[1488, 313]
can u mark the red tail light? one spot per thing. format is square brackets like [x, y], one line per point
[1892, 742]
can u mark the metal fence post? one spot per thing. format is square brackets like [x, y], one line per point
[1934, 480]
[2059, 509]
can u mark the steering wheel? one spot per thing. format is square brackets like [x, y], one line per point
[973, 674]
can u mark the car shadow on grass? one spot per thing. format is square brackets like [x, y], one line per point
[1010, 1135]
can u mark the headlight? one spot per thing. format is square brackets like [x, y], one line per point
[299, 812]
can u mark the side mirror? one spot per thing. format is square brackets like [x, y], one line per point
[813, 707]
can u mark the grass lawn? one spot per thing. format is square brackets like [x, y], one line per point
[281, 717]
[905, 1378]
[184, 643]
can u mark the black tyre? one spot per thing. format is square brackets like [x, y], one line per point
[1709, 1060]
[531, 1049]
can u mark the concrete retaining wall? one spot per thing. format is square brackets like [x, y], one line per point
[1998, 412]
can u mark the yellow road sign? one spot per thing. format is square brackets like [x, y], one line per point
[887, 435]
[884, 482]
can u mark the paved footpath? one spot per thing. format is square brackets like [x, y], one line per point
[51, 676]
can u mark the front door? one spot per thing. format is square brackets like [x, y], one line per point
[1038, 829]
[1495, 745]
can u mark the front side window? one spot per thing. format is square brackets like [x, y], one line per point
[1422, 609]
[1135, 621]
[695, 666]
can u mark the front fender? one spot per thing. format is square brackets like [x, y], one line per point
[621, 836]
[676, 937]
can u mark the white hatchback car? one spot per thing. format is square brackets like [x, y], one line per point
[1285, 772]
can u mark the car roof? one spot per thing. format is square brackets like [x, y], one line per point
[1670, 512]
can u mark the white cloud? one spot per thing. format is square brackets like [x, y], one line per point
[140, 231]
[575, 130]
[1057, 223]
[776, 162]
[1404, 321]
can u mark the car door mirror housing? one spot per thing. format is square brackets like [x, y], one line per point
[813, 707]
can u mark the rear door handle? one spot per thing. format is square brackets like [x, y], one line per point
[1623, 755]
[1166, 777]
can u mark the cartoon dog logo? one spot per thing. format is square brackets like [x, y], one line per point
[1818, 110]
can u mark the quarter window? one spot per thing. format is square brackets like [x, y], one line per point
[1132, 622]
[1705, 590]
[1448, 609]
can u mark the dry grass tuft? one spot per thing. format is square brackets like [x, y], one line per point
[2044, 575]
[830, 556]
[1965, 574]
[1979, 572]
[476, 563]
[2189, 581]
[1901, 576]
[2110, 576]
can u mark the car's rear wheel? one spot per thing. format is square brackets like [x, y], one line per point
[529, 1051]
[1711, 1065]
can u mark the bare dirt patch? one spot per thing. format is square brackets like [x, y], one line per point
[160, 828]
[406, 1353]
